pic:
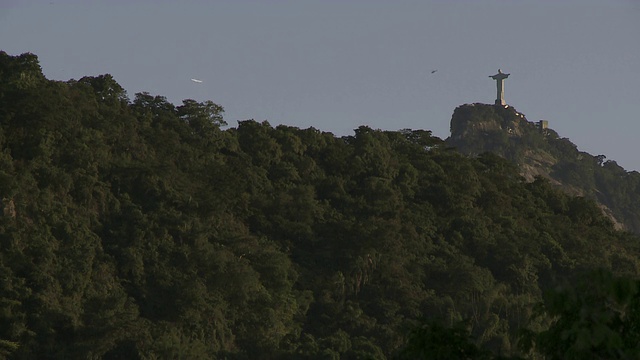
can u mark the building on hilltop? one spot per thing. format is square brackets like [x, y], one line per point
[542, 124]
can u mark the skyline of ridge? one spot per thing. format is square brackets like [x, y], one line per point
[338, 65]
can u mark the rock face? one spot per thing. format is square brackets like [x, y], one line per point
[478, 128]
[538, 151]
[473, 119]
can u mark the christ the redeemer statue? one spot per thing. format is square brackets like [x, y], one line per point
[499, 78]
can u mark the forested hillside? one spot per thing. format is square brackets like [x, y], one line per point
[479, 128]
[137, 229]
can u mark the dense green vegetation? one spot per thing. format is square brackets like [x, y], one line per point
[479, 128]
[139, 229]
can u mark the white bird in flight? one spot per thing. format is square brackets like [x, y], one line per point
[196, 80]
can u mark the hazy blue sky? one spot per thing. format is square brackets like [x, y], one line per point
[336, 65]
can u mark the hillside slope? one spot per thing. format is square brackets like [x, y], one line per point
[540, 151]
